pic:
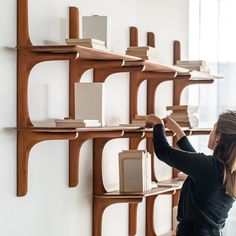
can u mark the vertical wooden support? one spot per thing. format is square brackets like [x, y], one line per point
[150, 201]
[151, 39]
[74, 22]
[23, 38]
[133, 94]
[177, 52]
[74, 151]
[133, 37]
[133, 210]
[98, 145]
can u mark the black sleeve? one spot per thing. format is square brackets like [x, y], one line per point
[185, 145]
[196, 165]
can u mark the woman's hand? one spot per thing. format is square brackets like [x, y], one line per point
[152, 120]
[172, 125]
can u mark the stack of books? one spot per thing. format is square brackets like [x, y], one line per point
[139, 120]
[76, 123]
[88, 42]
[184, 115]
[135, 171]
[198, 65]
[146, 53]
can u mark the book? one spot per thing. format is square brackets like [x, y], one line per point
[142, 53]
[76, 123]
[184, 118]
[191, 62]
[170, 183]
[140, 117]
[200, 75]
[146, 53]
[97, 27]
[89, 101]
[142, 48]
[190, 124]
[182, 108]
[134, 171]
[85, 40]
[90, 45]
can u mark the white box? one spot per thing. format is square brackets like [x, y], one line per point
[89, 101]
[97, 27]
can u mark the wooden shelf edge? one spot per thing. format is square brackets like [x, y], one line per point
[152, 192]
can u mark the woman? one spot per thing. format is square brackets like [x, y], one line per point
[210, 189]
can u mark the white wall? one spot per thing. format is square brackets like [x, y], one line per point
[50, 207]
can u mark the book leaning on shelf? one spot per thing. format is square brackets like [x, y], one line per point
[90, 102]
[88, 42]
[76, 123]
[135, 171]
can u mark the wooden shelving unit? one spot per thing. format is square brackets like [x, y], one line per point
[103, 64]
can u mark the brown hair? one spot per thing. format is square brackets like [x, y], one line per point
[225, 150]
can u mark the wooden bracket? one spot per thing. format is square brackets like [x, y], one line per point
[26, 139]
[182, 81]
[100, 204]
[74, 151]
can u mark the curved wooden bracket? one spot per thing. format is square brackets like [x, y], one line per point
[26, 139]
[151, 91]
[77, 68]
[150, 229]
[180, 82]
[99, 206]
[98, 145]
[74, 152]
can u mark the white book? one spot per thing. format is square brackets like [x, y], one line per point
[132, 168]
[97, 27]
[89, 101]
[191, 62]
[85, 40]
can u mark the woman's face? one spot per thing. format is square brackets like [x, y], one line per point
[213, 139]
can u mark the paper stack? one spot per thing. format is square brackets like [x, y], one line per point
[198, 65]
[146, 53]
[76, 123]
[135, 171]
[139, 120]
[88, 42]
[184, 115]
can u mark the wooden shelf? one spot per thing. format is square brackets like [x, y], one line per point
[155, 191]
[152, 66]
[82, 52]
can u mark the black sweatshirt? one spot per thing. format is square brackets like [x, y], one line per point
[203, 197]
